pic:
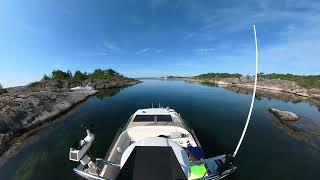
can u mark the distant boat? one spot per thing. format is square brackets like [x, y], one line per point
[83, 88]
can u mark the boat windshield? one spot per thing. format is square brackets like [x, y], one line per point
[159, 118]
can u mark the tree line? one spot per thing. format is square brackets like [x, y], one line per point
[2, 90]
[306, 81]
[80, 76]
[219, 75]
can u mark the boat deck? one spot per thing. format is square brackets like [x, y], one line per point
[144, 123]
[153, 129]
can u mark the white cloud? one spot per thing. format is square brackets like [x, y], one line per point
[110, 46]
[142, 51]
[299, 53]
[188, 36]
[148, 51]
[288, 32]
[158, 50]
[97, 53]
[57, 66]
[231, 19]
[204, 51]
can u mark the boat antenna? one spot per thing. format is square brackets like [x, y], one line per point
[253, 94]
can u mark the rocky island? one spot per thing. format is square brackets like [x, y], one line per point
[305, 86]
[25, 108]
[287, 87]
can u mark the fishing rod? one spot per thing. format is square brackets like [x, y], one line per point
[253, 94]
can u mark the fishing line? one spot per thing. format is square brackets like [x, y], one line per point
[253, 94]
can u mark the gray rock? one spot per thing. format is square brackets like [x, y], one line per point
[267, 84]
[247, 79]
[284, 115]
[315, 96]
[231, 80]
[25, 108]
[315, 93]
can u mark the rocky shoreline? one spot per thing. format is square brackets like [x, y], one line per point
[296, 126]
[26, 108]
[266, 84]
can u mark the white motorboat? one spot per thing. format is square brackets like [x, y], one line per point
[155, 144]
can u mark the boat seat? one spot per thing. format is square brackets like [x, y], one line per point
[78, 144]
[219, 162]
[211, 164]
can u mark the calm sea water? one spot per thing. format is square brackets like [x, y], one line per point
[217, 115]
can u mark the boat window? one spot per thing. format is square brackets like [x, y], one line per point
[166, 118]
[158, 118]
[140, 118]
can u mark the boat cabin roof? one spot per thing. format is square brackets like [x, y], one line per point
[153, 111]
[156, 117]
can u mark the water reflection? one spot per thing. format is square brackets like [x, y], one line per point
[216, 115]
[303, 129]
[108, 93]
[270, 94]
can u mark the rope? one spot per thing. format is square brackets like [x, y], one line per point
[253, 95]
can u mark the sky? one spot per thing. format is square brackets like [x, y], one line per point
[148, 38]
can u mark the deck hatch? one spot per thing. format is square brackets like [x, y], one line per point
[152, 162]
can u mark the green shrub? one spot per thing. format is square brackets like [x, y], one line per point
[2, 90]
[46, 77]
[79, 77]
[110, 72]
[97, 74]
[219, 75]
[103, 74]
[34, 84]
[58, 74]
[306, 81]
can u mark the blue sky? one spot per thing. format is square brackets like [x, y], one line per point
[156, 37]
